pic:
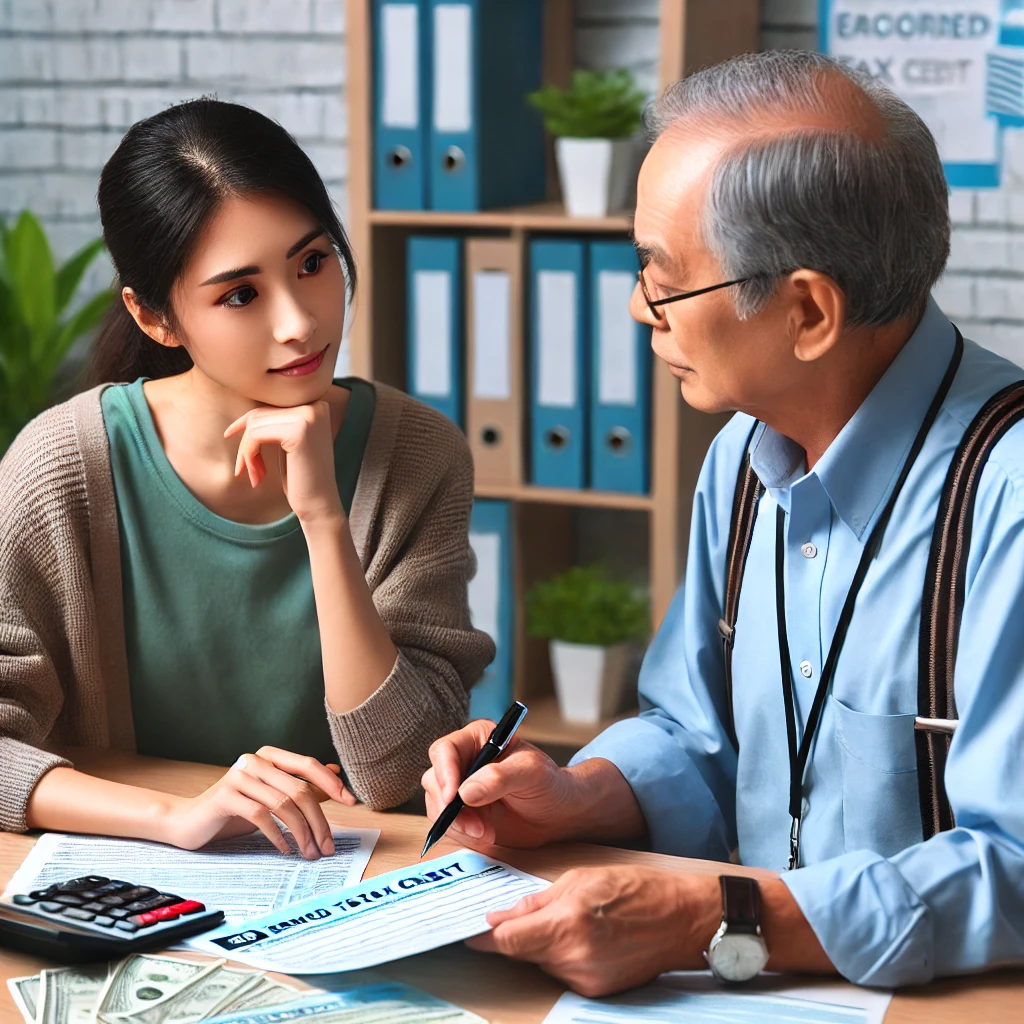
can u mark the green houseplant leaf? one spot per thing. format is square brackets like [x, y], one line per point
[584, 605]
[596, 105]
[33, 337]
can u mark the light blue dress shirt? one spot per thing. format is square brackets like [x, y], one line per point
[888, 908]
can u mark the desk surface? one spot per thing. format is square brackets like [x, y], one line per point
[501, 991]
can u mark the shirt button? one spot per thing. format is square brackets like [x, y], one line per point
[809, 550]
[806, 669]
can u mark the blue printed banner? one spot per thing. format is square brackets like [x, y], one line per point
[958, 63]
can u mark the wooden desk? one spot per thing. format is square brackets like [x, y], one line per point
[501, 991]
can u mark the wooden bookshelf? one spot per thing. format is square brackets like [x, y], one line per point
[694, 33]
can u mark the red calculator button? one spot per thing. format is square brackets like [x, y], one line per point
[188, 907]
[146, 919]
[165, 913]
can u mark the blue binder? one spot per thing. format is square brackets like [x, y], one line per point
[434, 325]
[486, 142]
[558, 358]
[401, 34]
[620, 384]
[490, 604]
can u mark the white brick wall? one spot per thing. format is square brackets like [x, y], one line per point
[74, 74]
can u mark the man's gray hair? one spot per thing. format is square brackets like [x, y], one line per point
[871, 212]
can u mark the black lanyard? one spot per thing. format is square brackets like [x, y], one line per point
[798, 756]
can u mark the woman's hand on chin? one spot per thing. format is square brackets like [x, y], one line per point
[305, 441]
[257, 788]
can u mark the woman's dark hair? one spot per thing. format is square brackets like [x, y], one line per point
[166, 177]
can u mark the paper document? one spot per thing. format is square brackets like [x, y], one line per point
[389, 1002]
[697, 998]
[385, 918]
[243, 877]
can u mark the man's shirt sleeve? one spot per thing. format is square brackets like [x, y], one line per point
[955, 903]
[684, 777]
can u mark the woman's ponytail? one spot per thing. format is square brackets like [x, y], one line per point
[123, 352]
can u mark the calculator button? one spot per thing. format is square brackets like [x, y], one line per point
[188, 907]
[22, 900]
[141, 906]
[114, 885]
[77, 914]
[111, 901]
[140, 892]
[103, 921]
[96, 908]
[118, 913]
[43, 894]
[165, 913]
[68, 900]
[51, 908]
[127, 926]
[86, 882]
[146, 919]
[91, 894]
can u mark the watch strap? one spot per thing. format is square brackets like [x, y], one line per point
[741, 904]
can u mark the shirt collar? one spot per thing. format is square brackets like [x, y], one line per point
[861, 465]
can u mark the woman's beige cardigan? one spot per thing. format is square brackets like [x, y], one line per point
[63, 667]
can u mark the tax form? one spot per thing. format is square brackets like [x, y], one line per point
[242, 877]
[384, 918]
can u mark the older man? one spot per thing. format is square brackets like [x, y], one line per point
[791, 221]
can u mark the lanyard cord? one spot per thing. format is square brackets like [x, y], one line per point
[798, 755]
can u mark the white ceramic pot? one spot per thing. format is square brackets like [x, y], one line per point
[590, 682]
[596, 174]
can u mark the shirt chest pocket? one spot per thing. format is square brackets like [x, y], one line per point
[881, 811]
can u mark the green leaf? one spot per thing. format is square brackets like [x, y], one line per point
[88, 317]
[597, 105]
[70, 274]
[30, 273]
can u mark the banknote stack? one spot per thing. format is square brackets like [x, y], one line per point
[145, 989]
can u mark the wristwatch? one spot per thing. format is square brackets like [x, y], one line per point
[738, 951]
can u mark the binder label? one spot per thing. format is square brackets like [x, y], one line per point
[485, 586]
[617, 383]
[453, 52]
[401, 72]
[556, 338]
[433, 363]
[492, 315]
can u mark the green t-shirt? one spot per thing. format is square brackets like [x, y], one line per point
[220, 622]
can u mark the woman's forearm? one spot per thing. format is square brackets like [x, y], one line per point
[65, 800]
[358, 654]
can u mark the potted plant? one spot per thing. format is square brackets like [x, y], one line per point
[34, 336]
[592, 623]
[594, 122]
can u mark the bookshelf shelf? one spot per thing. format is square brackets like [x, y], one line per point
[560, 496]
[693, 33]
[539, 218]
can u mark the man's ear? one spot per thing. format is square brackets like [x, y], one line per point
[817, 313]
[148, 321]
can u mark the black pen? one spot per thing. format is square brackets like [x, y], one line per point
[491, 751]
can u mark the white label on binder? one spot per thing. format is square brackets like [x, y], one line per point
[400, 72]
[453, 71]
[556, 370]
[433, 339]
[485, 586]
[492, 315]
[616, 330]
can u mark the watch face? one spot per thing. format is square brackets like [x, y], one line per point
[737, 957]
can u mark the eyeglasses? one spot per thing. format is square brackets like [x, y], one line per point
[652, 304]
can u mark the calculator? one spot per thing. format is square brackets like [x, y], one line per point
[98, 918]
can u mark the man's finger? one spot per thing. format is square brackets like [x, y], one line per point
[529, 904]
[527, 938]
[517, 771]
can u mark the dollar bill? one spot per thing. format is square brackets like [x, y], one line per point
[68, 995]
[193, 1001]
[257, 992]
[25, 993]
[140, 982]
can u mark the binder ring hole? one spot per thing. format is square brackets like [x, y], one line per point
[619, 440]
[399, 156]
[490, 436]
[556, 438]
[454, 159]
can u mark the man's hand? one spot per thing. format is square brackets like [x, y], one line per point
[524, 799]
[602, 930]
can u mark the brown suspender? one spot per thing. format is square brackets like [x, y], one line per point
[942, 603]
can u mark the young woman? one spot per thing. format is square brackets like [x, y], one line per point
[232, 552]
